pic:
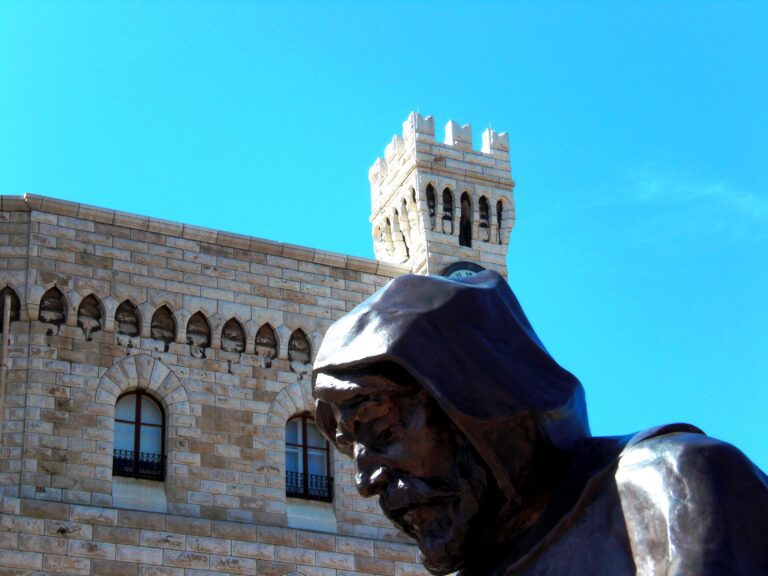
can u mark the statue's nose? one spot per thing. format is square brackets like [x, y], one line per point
[372, 474]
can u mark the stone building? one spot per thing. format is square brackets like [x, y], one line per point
[154, 379]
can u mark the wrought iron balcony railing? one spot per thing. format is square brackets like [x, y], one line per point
[309, 486]
[138, 465]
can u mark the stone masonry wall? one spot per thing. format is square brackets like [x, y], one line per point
[38, 537]
[225, 410]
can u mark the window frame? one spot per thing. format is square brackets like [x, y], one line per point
[135, 469]
[322, 492]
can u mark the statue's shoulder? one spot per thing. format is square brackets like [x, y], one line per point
[682, 450]
[694, 502]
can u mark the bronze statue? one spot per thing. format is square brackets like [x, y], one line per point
[477, 443]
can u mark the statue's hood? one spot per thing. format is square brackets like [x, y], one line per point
[469, 344]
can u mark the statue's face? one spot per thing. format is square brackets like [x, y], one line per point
[429, 481]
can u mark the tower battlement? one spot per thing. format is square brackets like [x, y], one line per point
[418, 138]
[421, 186]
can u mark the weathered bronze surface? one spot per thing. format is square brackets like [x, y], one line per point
[478, 446]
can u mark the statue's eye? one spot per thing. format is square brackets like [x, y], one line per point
[385, 436]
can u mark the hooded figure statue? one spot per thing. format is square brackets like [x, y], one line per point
[478, 445]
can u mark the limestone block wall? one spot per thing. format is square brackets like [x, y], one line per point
[226, 410]
[55, 538]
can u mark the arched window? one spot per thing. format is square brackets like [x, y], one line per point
[14, 307]
[413, 213]
[398, 237]
[198, 334]
[233, 336]
[388, 244]
[431, 206]
[307, 461]
[298, 347]
[499, 218]
[405, 223]
[447, 211]
[163, 326]
[52, 307]
[139, 437]
[127, 319]
[465, 222]
[485, 219]
[89, 316]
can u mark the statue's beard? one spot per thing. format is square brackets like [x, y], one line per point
[442, 514]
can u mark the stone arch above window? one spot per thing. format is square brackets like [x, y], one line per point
[127, 319]
[14, 308]
[298, 347]
[198, 334]
[485, 219]
[447, 211]
[53, 308]
[465, 221]
[293, 399]
[143, 371]
[89, 316]
[431, 207]
[233, 336]
[266, 343]
[163, 326]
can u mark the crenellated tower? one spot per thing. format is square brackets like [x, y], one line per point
[442, 207]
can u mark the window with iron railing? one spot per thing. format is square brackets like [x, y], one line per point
[307, 461]
[138, 465]
[139, 437]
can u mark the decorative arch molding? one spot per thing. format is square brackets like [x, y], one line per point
[147, 373]
[291, 400]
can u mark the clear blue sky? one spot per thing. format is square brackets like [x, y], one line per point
[639, 138]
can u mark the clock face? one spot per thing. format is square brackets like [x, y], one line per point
[461, 273]
[462, 270]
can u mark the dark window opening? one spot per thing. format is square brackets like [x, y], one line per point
[89, 316]
[499, 217]
[52, 307]
[198, 334]
[431, 206]
[447, 211]
[465, 222]
[139, 447]
[298, 347]
[307, 461]
[127, 319]
[163, 326]
[266, 344]
[233, 336]
[485, 220]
